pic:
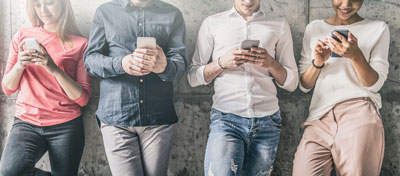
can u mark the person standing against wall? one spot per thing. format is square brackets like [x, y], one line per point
[52, 86]
[344, 128]
[136, 107]
[245, 117]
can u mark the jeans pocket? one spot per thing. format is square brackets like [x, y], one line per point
[276, 119]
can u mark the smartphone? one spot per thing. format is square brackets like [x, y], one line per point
[146, 42]
[344, 33]
[32, 44]
[248, 44]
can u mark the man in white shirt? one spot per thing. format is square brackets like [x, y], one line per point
[245, 117]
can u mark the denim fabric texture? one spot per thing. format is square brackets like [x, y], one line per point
[27, 143]
[241, 146]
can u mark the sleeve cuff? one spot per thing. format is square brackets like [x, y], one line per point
[83, 99]
[8, 91]
[378, 85]
[291, 80]
[117, 65]
[164, 75]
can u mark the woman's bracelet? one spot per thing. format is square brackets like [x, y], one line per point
[318, 67]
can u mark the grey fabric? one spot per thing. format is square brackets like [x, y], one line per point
[137, 151]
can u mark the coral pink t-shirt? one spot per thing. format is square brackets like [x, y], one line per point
[41, 100]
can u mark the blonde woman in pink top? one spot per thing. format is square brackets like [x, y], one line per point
[52, 86]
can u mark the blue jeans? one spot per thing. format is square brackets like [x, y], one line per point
[241, 146]
[27, 143]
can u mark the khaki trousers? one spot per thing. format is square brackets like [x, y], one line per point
[349, 138]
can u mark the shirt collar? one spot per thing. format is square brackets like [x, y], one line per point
[127, 3]
[234, 13]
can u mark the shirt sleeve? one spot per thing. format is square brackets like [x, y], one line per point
[176, 51]
[202, 55]
[285, 56]
[96, 60]
[379, 58]
[305, 59]
[11, 61]
[83, 79]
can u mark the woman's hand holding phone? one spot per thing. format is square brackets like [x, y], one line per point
[43, 59]
[345, 48]
[24, 56]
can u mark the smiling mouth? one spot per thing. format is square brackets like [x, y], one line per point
[346, 11]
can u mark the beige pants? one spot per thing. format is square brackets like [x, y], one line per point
[350, 138]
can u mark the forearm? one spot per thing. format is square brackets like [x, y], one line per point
[70, 87]
[12, 79]
[211, 71]
[278, 72]
[365, 73]
[309, 78]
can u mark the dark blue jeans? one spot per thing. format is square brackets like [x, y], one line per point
[241, 146]
[27, 143]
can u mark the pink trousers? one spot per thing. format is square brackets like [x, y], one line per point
[349, 138]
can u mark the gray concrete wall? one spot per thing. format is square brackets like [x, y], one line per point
[193, 104]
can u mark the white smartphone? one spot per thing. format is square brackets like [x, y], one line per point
[248, 44]
[146, 42]
[32, 44]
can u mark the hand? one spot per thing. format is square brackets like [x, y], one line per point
[348, 49]
[44, 59]
[24, 57]
[152, 59]
[261, 57]
[321, 53]
[131, 65]
[235, 58]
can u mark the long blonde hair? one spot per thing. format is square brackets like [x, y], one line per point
[66, 23]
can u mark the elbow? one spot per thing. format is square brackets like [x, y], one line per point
[192, 81]
[6, 90]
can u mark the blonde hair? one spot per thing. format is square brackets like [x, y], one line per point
[66, 23]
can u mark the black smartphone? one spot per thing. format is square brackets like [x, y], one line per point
[344, 33]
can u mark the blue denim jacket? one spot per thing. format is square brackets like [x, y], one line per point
[127, 100]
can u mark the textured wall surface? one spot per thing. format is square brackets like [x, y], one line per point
[193, 104]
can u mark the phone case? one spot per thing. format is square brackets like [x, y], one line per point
[32, 44]
[146, 42]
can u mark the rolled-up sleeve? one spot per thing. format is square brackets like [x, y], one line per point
[176, 52]
[202, 55]
[305, 59]
[379, 59]
[96, 60]
[285, 56]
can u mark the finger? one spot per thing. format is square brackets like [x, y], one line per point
[239, 62]
[146, 51]
[341, 38]
[352, 38]
[138, 69]
[334, 42]
[21, 46]
[240, 52]
[258, 50]
[43, 49]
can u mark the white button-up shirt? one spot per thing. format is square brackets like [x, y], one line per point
[248, 90]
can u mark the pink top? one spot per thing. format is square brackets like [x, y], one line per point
[41, 100]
